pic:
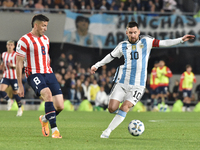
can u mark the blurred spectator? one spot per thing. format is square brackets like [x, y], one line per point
[103, 5]
[30, 4]
[67, 78]
[196, 5]
[79, 92]
[8, 3]
[62, 72]
[114, 6]
[82, 7]
[92, 6]
[152, 9]
[145, 5]
[97, 4]
[169, 5]
[39, 5]
[122, 6]
[158, 5]
[93, 89]
[62, 5]
[62, 58]
[50, 4]
[73, 85]
[18, 4]
[107, 86]
[138, 6]
[102, 99]
[85, 86]
[175, 91]
[56, 9]
[129, 4]
[70, 60]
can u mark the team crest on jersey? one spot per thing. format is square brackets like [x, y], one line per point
[18, 45]
[133, 47]
[141, 46]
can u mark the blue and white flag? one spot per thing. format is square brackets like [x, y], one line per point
[105, 31]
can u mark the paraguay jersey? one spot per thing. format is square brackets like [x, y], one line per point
[134, 70]
[35, 50]
[9, 72]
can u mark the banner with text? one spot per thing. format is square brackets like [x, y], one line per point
[105, 31]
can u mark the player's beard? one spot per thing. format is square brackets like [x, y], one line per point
[132, 40]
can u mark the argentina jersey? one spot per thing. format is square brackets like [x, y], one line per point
[134, 70]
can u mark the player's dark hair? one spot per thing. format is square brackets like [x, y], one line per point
[132, 24]
[188, 66]
[82, 18]
[39, 17]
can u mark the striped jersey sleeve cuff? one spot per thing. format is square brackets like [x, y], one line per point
[19, 54]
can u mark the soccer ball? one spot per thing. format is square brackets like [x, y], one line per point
[136, 127]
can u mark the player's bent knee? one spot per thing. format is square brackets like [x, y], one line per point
[112, 109]
[59, 108]
[46, 95]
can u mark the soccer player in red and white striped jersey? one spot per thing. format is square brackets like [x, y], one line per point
[33, 53]
[9, 76]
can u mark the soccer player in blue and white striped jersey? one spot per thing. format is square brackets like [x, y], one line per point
[130, 78]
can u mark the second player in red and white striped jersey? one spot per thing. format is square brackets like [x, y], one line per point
[9, 58]
[35, 50]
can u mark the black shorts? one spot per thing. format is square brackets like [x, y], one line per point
[40, 81]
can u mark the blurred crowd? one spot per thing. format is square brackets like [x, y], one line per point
[78, 84]
[89, 5]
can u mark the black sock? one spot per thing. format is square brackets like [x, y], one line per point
[50, 114]
[57, 112]
[4, 95]
[18, 99]
[187, 105]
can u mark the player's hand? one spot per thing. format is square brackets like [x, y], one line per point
[21, 91]
[188, 37]
[93, 69]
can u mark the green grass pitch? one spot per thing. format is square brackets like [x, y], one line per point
[82, 130]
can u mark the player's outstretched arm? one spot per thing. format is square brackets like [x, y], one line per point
[188, 37]
[93, 69]
[104, 61]
[172, 42]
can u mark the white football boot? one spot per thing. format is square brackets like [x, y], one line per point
[105, 133]
[9, 104]
[19, 112]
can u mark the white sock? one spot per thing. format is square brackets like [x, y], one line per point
[44, 119]
[54, 129]
[117, 120]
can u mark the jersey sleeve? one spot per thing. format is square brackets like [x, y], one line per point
[22, 46]
[170, 42]
[117, 52]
